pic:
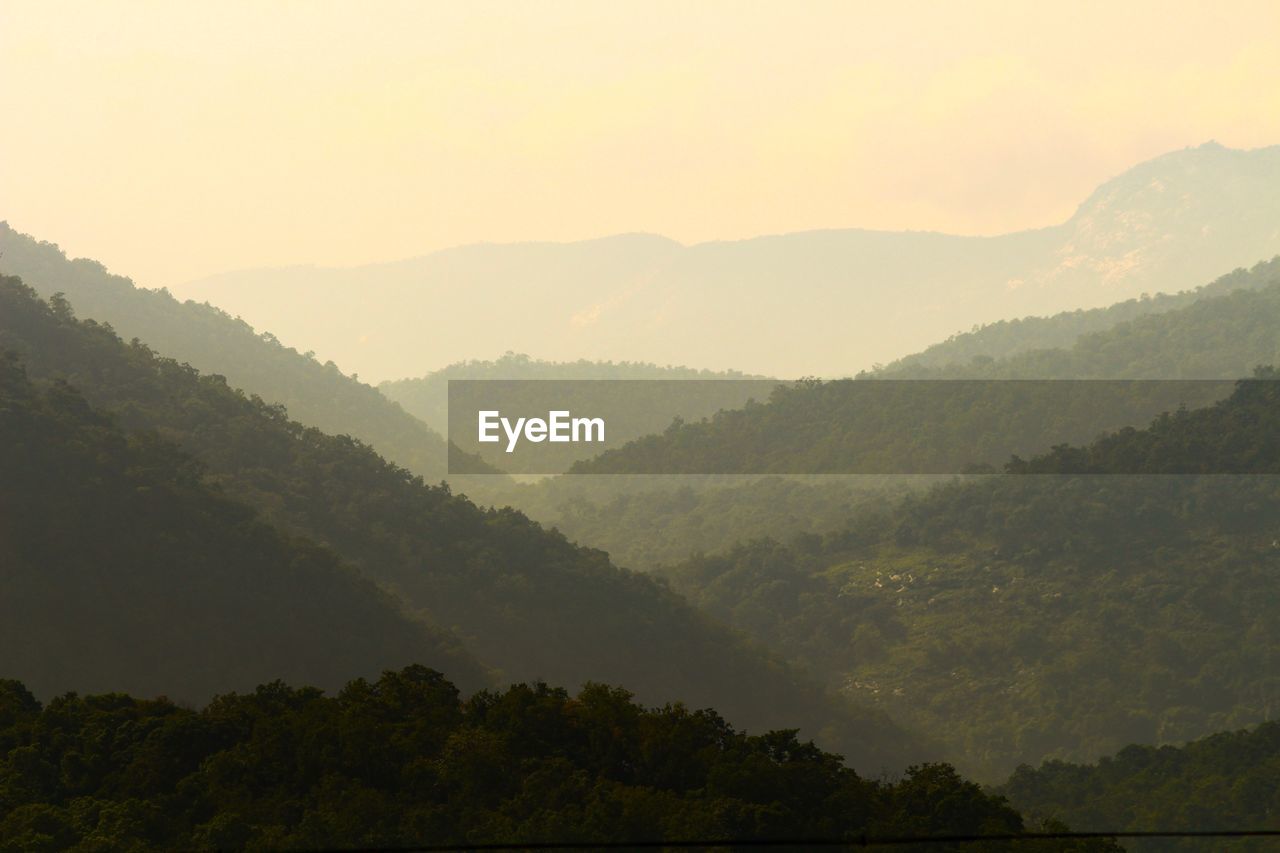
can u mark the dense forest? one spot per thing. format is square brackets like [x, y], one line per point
[1226, 779]
[524, 600]
[1117, 608]
[405, 760]
[213, 342]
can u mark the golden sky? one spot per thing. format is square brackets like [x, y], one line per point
[172, 140]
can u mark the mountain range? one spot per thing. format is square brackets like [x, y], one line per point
[213, 342]
[817, 303]
[524, 601]
[870, 594]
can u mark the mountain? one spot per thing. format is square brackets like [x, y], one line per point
[1239, 435]
[859, 426]
[968, 353]
[828, 303]
[524, 600]
[123, 570]
[213, 342]
[1115, 607]
[1225, 779]
[1213, 338]
[1219, 330]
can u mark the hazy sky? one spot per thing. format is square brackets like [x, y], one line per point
[176, 139]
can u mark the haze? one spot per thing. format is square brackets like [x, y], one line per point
[171, 142]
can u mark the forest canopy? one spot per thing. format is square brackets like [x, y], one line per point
[405, 760]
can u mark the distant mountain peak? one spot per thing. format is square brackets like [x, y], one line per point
[1149, 222]
[1171, 223]
[1160, 172]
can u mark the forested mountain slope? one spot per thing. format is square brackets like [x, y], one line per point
[1064, 615]
[213, 342]
[523, 599]
[830, 427]
[1005, 338]
[1226, 779]
[1220, 336]
[1239, 435]
[122, 570]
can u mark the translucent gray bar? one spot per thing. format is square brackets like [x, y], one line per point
[859, 426]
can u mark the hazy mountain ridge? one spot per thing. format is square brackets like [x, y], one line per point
[524, 600]
[214, 342]
[1156, 222]
[1220, 330]
[1006, 338]
[832, 427]
[1165, 225]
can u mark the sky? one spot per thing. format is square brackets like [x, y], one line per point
[176, 140]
